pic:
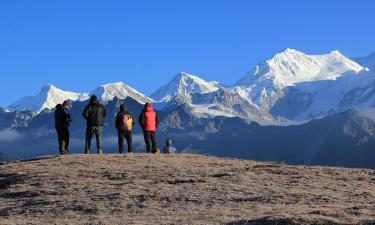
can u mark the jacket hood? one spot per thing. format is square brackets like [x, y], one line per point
[94, 102]
[148, 107]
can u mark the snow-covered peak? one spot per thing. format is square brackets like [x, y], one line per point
[290, 67]
[184, 84]
[48, 97]
[120, 90]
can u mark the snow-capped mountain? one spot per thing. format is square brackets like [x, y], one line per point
[184, 84]
[368, 61]
[264, 85]
[48, 97]
[120, 90]
[291, 67]
[207, 99]
[321, 98]
[291, 85]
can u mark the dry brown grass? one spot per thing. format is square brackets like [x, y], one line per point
[181, 189]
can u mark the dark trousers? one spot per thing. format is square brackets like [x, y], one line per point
[150, 140]
[128, 136]
[90, 131]
[63, 139]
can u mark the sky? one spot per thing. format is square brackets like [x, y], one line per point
[79, 45]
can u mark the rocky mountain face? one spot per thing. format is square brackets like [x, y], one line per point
[15, 119]
[321, 98]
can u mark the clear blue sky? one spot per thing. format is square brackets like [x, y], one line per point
[78, 45]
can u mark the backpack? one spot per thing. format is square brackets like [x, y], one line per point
[126, 123]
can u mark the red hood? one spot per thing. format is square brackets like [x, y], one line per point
[149, 108]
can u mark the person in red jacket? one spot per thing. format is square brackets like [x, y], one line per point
[149, 122]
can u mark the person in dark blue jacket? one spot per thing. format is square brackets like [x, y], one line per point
[62, 122]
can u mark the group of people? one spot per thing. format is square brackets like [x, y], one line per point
[95, 114]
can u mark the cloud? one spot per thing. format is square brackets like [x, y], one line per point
[9, 135]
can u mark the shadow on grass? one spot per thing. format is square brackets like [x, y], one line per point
[285, 221]
[9, 179]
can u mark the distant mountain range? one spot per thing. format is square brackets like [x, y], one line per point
[291, 86]
[294, 107]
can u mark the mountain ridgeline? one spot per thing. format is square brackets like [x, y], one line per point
[295, 108]
[344, 139]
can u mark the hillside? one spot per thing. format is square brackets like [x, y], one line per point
[181, 189]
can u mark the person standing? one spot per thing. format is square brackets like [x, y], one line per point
[94, 113]
[124, 124]
[149, 122]
[62, 122]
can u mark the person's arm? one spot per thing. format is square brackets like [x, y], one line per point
[85, 112]
[157, 119]
[141, 119]
[117, 121]
[104, 114]
[69, 118]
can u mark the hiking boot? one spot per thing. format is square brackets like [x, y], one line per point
[87, 151]
[100, 152]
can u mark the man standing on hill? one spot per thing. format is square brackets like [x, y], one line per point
[94, 113]
[62, 122]
[149, 122]
[124, 124]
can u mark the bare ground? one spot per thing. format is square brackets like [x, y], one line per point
[181, 189]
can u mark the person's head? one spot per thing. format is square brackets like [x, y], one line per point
[169, 142]
[93, 98]
[59, 106]
[122, 107]
[66, 104]
[148, 106]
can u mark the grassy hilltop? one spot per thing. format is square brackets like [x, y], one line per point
[181, 189]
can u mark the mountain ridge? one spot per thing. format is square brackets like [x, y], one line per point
[291, 86]
[120, 90]
[48, 97]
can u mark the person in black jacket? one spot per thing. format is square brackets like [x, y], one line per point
[62, 122]
[94, 113]
[124, 124]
